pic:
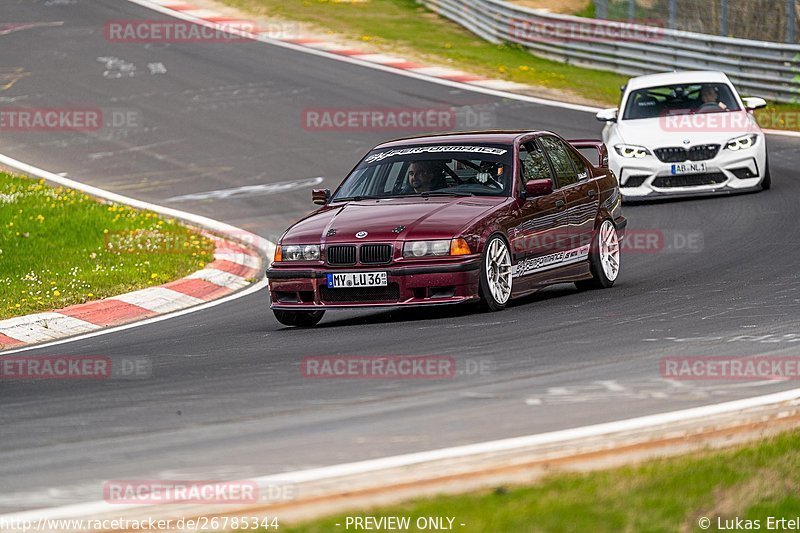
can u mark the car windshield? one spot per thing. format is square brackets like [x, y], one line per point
[680, 99]
[430, 170]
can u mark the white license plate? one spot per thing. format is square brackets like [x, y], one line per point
[689, 168]
[357, 279]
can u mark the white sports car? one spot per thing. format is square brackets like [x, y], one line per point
[685, 134]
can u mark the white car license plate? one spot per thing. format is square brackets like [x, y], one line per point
[689, 168]
[357, 279]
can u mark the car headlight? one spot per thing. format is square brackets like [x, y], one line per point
[299, 252]
[741, 143]
[631, 151]
[436, 248]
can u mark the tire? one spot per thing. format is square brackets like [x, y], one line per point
[766, 183]
[604, 258]
[496, 279]
[299, 319]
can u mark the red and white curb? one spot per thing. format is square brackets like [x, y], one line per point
[323, 46]
[221, 21]
[232, 267]
[237, 261]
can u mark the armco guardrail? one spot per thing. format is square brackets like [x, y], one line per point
[771, 70]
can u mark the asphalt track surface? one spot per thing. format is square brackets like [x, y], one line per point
[226, 398]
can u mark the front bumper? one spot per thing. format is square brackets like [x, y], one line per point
[420, 284]
[727, 173]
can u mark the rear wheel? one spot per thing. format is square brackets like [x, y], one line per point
[603, 258]
[300, 319]
[495, 284]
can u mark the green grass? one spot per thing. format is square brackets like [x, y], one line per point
[60, 247]
[404, 26]
[752, 482]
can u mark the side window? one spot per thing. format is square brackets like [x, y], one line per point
[580, 166]
[533, 163]
[562, 163]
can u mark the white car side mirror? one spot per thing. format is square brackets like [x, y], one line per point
[608, 115]
[752, 103]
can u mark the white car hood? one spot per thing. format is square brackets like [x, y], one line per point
[674, 131]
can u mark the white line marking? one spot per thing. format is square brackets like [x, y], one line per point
[381, 58]
[566, 436]
[202, 13]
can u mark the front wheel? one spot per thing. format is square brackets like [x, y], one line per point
[603, 258]
[496, 279]
[300, 319]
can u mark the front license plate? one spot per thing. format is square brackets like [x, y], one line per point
[689, 168]
[357, 279]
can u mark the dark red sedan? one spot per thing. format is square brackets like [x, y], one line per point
[447, 219]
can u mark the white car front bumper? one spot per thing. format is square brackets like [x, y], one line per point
[727, 172]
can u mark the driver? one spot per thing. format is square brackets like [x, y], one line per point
[426, 176]
[708, 95]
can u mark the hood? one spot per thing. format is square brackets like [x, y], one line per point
[432, 218]
[708, 128]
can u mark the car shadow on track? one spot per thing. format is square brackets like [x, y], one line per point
[440, 312]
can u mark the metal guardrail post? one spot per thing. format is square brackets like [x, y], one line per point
[673, 13]
[601, 9]
[631, 10]
[723, 18]
[790, 21]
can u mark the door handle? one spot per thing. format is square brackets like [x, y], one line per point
[592, 193]
[560, 204]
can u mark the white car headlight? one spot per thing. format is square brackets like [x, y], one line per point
[631, 151]
[741, 143]
[300, 252]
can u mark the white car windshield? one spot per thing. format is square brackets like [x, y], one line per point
[680, 99]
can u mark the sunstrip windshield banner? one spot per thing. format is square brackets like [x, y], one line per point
[380, 156]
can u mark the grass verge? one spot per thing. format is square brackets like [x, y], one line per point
[752, 482]
[404, 26]
[60, 247]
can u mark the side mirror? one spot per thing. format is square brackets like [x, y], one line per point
[607, 115]
[320, 196]
[754, 103]
[535, 188]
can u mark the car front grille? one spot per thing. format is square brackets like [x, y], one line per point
[341, 255]
[690, 180]
[375, 254]
[678, 154]
[365, 254]
[390, 293]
